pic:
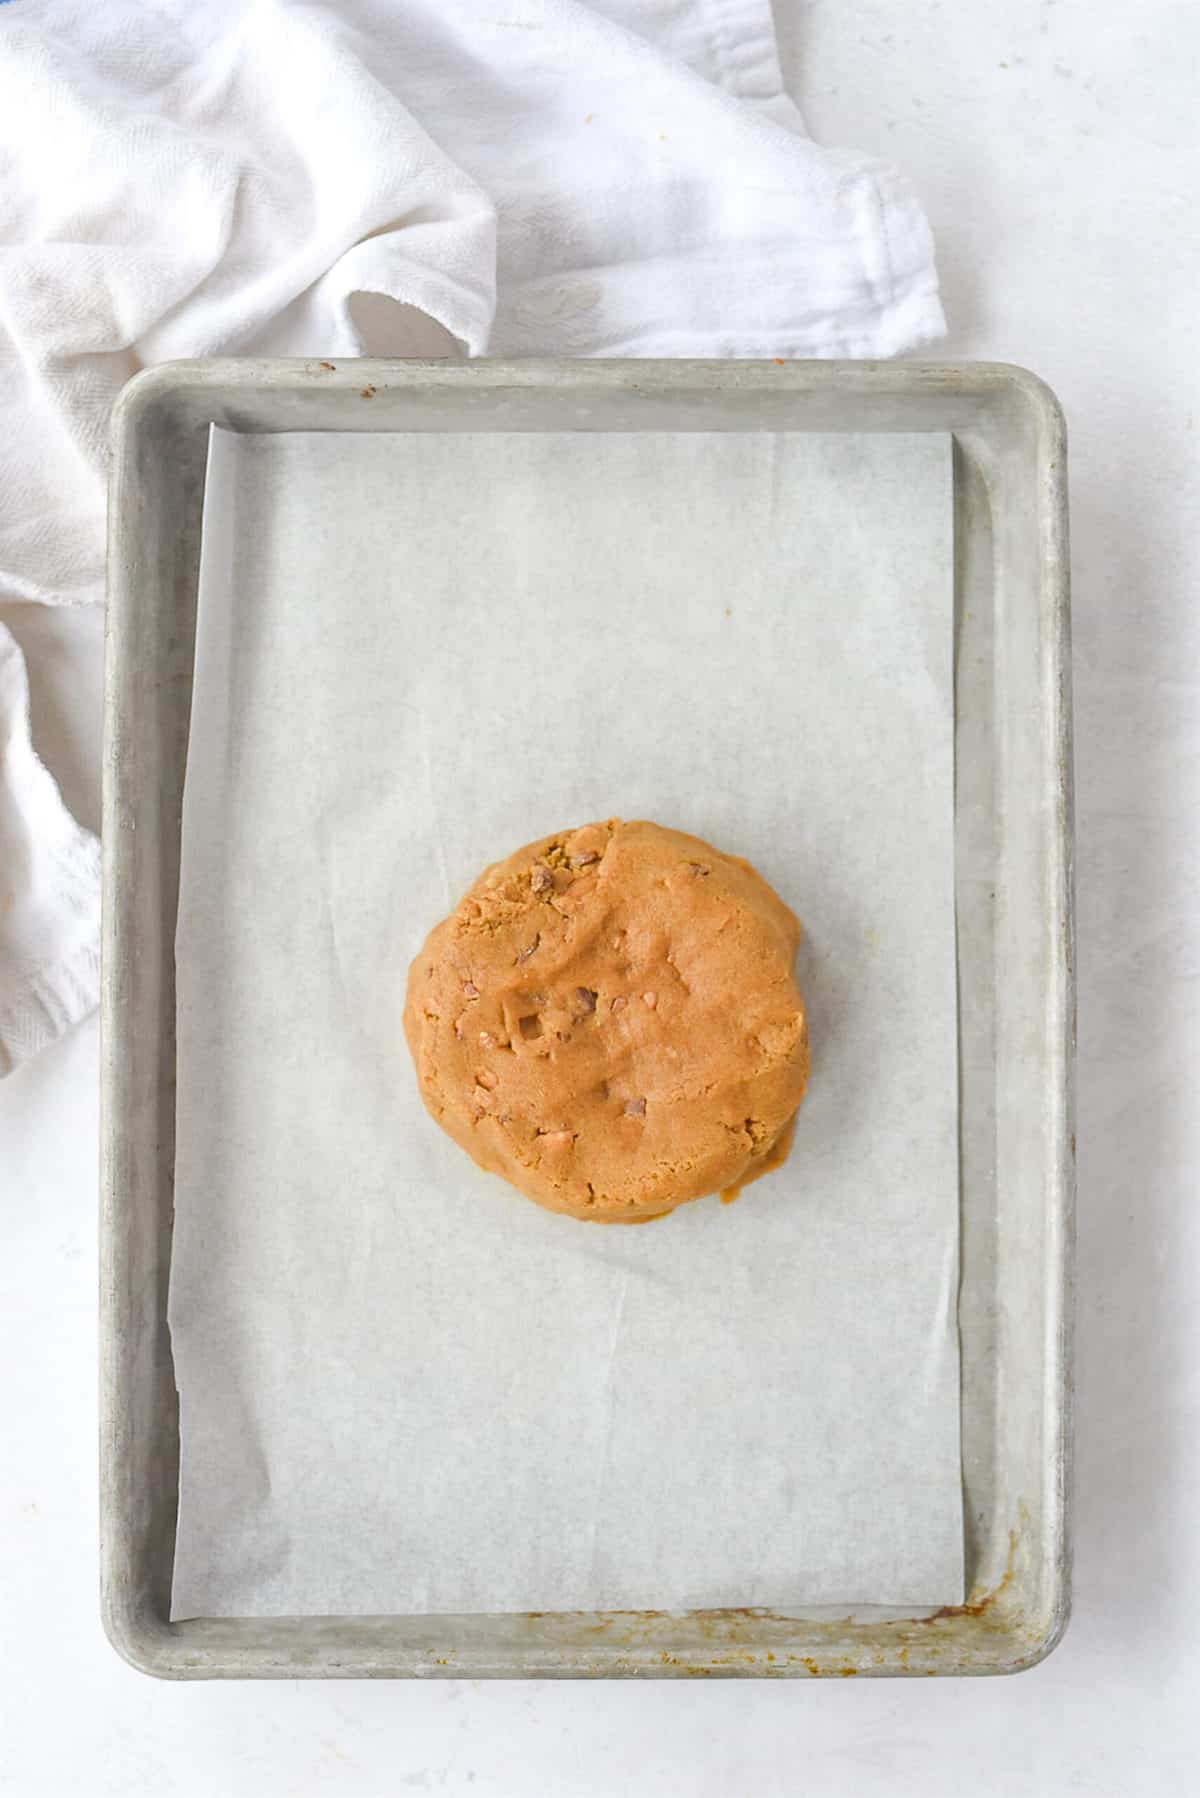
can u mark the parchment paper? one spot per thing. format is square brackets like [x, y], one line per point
[403, 1387]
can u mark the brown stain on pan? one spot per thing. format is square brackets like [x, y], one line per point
[979, 1603]
[715, 1625]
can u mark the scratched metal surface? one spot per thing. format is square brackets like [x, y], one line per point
[1013, 832]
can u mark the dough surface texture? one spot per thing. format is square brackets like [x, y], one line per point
[609, 1020]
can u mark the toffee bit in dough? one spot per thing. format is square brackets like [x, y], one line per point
[556, 1140]
[717, 1039]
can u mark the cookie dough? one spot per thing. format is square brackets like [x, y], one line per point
[609, 1020]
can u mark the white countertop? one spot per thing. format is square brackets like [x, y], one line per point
[1056, 147]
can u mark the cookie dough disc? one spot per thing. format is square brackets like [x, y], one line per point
[608, 1019]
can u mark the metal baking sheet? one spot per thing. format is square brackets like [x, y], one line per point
[1015, 1017]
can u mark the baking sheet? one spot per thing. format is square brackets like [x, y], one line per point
[402, 1387]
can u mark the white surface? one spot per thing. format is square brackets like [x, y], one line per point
[1056, 148]
[342, 1273]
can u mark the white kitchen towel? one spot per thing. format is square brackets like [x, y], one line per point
[49, 888]
[488, 177]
